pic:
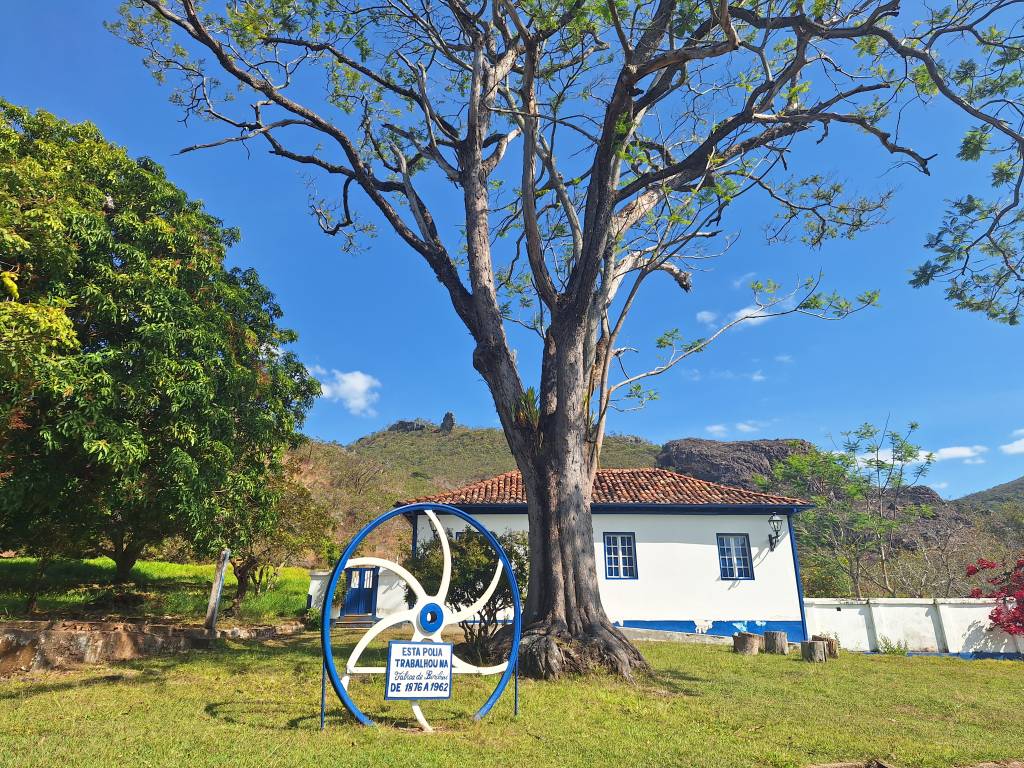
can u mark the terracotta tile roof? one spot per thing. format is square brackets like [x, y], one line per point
[646, 485]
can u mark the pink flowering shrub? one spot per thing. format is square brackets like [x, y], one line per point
[1005, 584]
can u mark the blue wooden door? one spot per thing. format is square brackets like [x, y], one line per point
[360, 596]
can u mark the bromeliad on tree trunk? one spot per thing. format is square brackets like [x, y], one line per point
[587, 146]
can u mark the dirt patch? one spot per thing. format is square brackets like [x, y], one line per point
[26, 646]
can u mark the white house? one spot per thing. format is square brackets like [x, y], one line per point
[674, 552]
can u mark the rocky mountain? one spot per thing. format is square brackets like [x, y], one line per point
[738, 462]
[734, 462]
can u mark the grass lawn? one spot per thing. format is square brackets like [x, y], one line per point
[256, 705]
[82, 589]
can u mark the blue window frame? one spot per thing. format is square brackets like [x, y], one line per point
[620, 556]
[734, 558]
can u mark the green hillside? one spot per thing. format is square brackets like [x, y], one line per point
[423, 461]
[1006, 493]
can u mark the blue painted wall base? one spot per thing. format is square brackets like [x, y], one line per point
[971, 655]
[794, 629]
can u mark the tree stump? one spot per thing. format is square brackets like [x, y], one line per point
[814, 651]
[776, 642]
[746, 643]
[831, 645]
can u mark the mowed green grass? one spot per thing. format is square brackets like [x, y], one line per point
[83, 589]
[257, 705]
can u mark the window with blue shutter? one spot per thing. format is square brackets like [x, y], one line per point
[620, 556]
[734, 558]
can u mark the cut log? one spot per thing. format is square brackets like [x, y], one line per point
[776, 642]
[814, 651]
[831, 645]
[746, 643]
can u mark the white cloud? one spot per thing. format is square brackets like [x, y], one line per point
[976, 460]
[750, 315]
[1017, 446]
[748, 426]
[940, 486]
[743, 280]
[356, 390]
[718, 430]
[706, 317]
[783, 358]
[730, 375]
[967, 452]
[1018, 433]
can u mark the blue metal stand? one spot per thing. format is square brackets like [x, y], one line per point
[516, 705]
[323, 695]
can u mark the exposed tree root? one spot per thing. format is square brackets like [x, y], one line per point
[548, 651]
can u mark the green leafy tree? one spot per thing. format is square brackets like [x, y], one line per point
[861, 510]
[175, 398]
[838, 533]
[575, 153]
[264, 533]
[473, 567]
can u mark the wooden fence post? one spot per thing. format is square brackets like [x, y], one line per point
[218, 586]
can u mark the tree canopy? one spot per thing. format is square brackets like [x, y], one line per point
[150, 390]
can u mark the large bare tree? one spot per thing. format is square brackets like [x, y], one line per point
[582, 147]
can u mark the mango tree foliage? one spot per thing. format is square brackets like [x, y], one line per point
[575, 151]
[152, 391]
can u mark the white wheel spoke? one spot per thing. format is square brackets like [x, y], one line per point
[420, 718]
[446, 570]
[460, 667]
[371, 633]
[475, 608]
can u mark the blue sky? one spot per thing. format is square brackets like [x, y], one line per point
[378, 330]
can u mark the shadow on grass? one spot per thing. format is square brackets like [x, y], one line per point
[270, 715]
[675, 682]
[68, 684]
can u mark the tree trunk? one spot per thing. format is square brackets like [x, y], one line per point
[831, 645]
[566, 630]
[32, 600]
[813, 650]
[125, 555]
[776, 642]
[746, 643]
[242, 569]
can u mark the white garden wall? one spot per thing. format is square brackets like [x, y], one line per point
[923, 625]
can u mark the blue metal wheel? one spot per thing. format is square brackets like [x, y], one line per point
[428, 616]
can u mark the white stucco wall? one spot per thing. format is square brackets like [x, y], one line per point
[678, 571]
[924, 625]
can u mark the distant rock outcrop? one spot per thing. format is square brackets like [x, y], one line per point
[447, 423]
[731, 463]
[416, 425]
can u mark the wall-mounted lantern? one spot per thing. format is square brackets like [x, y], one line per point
[775, 522]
